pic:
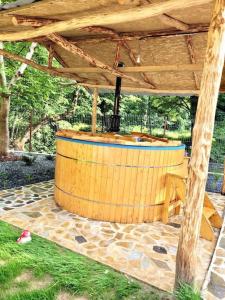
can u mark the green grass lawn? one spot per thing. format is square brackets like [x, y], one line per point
[43, 270]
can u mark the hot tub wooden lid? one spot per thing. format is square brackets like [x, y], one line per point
[134, 139]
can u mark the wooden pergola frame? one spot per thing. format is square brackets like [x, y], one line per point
[47, 31]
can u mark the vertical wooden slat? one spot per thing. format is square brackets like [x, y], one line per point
[94, 111]
[108, 183]
[186, 266]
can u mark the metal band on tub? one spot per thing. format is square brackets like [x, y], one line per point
[105, 203]
[117, 165]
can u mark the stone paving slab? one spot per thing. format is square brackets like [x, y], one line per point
[24, 195]
[144, 251]
[214, 287]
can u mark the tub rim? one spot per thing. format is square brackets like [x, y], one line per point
[111, 145]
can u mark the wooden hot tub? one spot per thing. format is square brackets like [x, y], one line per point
[105, 178]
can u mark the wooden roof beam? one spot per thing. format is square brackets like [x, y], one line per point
[108, 33]
[191, 52]
[64, 64]
[123, 43]
[127, 15]
[22, 20]
[164, 18]
[65, 44]
[34, 65]
[172, 22]
[138, 69]
[143, 90]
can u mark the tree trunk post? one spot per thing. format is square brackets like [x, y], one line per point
[223, 185]
[30, 129]
[165, 126]
[4, 129]
[186, 261]
[94, 111]
[194, 102]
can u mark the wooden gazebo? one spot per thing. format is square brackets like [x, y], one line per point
[172, 47]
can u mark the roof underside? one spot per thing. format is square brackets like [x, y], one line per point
[156, 43]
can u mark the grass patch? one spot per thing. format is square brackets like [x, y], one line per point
[69, 272]
[186, 292]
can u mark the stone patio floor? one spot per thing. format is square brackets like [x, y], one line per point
[144, 251]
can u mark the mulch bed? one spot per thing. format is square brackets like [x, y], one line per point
[14, 172]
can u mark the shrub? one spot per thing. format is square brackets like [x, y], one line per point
[29, 159]
[50, 157]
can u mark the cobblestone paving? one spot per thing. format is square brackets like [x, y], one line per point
[21, 196]
[144, 251]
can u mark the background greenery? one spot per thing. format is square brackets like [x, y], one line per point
[56, 103]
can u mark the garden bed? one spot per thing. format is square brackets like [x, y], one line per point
[15, 173]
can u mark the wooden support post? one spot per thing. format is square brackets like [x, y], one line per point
[94, 110]
[30, 131]
[223, 185]
[186, 263]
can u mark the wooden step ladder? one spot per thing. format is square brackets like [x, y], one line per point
[175, 198]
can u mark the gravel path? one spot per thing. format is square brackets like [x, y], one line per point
[17, 173]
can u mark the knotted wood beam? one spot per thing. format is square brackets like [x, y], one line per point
[140, 89]
[67, 45]
[62, 42]
[96, 19]
[37, 22]
[65, 65]
[123, 43]
[186, 261]
[191, 52]
[170, 21]
[144, 35]
[138, 69]
[34, 65]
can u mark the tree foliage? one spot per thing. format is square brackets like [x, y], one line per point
[54, 98]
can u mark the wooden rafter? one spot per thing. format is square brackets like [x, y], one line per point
[138, 69]
[141, 89]
[64, 64]
[123, 43]
[166, 19]
[126, 15]
[117, 55]
[34, 65]
[37, 22]
[189, 43]
[67, 45]
[62, 42]
[144, 35]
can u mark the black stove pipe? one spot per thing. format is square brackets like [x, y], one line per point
[115, 120]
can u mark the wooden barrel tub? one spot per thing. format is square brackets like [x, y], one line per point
[111, 179]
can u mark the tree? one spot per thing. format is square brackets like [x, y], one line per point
[6, 86]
